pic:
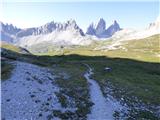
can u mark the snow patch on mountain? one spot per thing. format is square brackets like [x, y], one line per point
[69, 37]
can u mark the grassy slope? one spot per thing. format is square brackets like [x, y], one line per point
[129, 79]
[10, 47]
[143, 49]
[14, 48]
[6, 66]
[147, 49]
[139, 79]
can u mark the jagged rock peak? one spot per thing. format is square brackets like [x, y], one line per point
[71, 21]
[91, 29]
[9, 28]
[100, 30]
[115, 22]
[155, 25]
[101, 24]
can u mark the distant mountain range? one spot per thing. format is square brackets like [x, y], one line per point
[70, 33]
[51, 27]
[49, 32]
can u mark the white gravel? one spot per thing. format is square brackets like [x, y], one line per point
[29, 94]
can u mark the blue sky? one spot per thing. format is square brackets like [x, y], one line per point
[128, 14]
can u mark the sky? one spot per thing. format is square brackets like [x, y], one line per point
[132, 14]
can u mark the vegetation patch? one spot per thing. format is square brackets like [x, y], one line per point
[6, 69]
[74, 91]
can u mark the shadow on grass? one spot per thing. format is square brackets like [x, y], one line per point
[134, 78]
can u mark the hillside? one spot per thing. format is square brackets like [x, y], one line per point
[134, 84]
[8, 46]
[146, 49]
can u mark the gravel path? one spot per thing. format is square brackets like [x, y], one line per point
[103, 109]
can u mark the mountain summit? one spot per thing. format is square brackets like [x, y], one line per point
[100, 30]
[101, 26]
[113, 28]
[155, 25]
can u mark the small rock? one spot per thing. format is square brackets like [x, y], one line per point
[32, 96]
[37, 101]
[47, 103]
[8, 100]
[40, 115]
[108, 69]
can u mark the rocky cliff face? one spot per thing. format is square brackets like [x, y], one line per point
[8, 32]
[100, 30]
[9, 28]
[50, 27]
